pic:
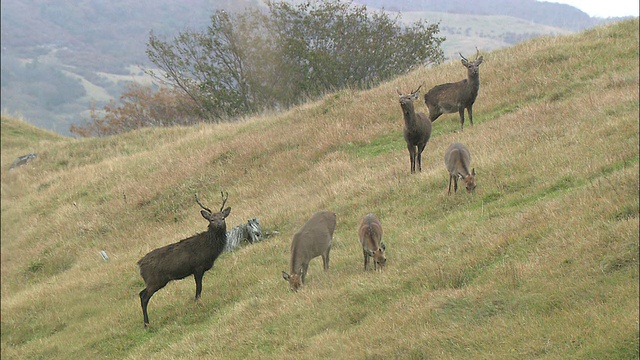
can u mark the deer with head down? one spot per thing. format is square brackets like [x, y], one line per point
[191, 256]
[417, 128]
[312, 240]
[455, 97]
[370, 234]
[457, 159]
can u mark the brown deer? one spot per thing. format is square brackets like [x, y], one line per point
[370, 234]
[417, 128]
[312, 240]
[451, 97]
[457, 159]
[191, 256]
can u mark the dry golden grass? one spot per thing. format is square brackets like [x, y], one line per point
[542, 262]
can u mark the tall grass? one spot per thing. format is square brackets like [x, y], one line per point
[542, 262]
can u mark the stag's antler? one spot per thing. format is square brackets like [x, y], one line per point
[416, 90]
[224, 199]
[202, 206]
[477, 55]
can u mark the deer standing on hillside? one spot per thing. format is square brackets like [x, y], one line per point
[457, 159]
[370, 234]
[452, 97]
[417, 128]
[191, 256]
[312, 240]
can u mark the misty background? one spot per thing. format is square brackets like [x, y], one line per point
[60, 58]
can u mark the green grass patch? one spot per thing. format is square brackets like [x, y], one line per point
[381, 145]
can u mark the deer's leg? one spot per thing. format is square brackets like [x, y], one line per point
[198, 276]
[144, 301]
[450, 177]
[305, 266]
[420, 150]
[461, 112]
[325, 259]
[366, 258]
[433, 115]
[145, 296]
[412, 156]
[470, 111]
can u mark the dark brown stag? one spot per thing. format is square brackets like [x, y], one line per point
[455, 97]
[191, 256]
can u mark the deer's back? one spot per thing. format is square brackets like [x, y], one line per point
[457, 158]
[370, 232]
[450, 97]
[179, 260]
[313, 238]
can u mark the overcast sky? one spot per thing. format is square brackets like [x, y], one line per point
[604, 8]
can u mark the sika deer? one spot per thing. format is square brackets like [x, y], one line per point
[312, 240]
[370, 234]
[417, 128]
[191, 256]
[457, 160]
[452, 97]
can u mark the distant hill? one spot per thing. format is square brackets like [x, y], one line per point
[60, 57]
[544, 13]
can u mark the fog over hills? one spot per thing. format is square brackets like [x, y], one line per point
[59, 58]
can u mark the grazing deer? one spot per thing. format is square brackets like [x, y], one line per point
[370, 234]
[457, 160]
[191, 256]
[452, 97]
[312, 240]
[417, 128]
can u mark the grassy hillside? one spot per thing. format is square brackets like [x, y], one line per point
[542, 262]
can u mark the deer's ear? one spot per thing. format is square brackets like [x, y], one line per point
[205, 215]
[479, 61]
[464, 62]
[285, 276]
[226, 212]
[398, 91]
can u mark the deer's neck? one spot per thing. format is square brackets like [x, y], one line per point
[463, 170]
[473, 82]
[410, 118]
[217, 238]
